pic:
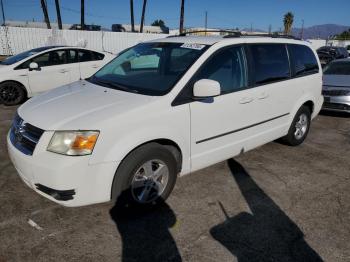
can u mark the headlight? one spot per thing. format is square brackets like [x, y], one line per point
[73, 143]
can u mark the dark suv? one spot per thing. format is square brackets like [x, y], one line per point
[330, 53]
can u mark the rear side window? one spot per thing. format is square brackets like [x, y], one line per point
[303, 60]
[269, 63]
[97, 56]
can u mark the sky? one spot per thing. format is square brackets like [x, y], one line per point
[221, 13]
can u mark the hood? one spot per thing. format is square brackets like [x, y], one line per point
[80, 105]
[336, 81]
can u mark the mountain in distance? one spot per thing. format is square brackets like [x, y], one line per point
[320, 31]
[313, 32]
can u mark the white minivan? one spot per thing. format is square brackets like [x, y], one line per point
[161, 109]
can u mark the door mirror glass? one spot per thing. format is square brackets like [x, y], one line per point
[206, 88]
[33, 66]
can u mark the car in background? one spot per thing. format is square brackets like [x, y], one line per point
[327, 54]
[348, 48]
[336, 86]
[40, 69]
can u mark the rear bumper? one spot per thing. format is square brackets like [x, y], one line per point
[69, 181]
[337, 104]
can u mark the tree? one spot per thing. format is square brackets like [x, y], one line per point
[343, 36]
[143, 15]
[159, 22]
[182, 13]
[288, 22]
[132, 15]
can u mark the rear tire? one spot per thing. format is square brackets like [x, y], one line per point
[145, 177]
[299, 128]
[12, 93]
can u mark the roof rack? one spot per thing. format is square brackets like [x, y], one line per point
[230, 32]
[266, 35]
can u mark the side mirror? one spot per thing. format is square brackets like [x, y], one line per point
[206, 88]
[33, 66]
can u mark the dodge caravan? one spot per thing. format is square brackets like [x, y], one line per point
[163, 109]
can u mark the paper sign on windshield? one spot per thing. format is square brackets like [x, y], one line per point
[193, 46]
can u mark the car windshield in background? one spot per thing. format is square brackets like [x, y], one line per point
[16, 58]
[338, 68]
[149, 68]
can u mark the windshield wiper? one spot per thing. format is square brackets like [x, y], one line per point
[114, 85]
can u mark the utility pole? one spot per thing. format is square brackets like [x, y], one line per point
[182, 14]
[143, 15]
[302, 30]
[270, 29]
[132, 15]
[251, 27]
[46, 14]
[206, 22]
[3, 13]
[82, 14]
[58, 11]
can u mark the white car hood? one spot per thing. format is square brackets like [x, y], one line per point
[336, 80]
[80, 105]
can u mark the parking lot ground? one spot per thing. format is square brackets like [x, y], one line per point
[275, 203]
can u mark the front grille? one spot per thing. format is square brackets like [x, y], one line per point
[342, 107]
[335, 92]
[24, 136]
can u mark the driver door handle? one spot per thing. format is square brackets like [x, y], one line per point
[64, 71]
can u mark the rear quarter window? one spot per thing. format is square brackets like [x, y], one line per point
[97, 56]
[269, 63]
[303, 60]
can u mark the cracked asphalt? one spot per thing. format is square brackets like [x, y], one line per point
[275, 203]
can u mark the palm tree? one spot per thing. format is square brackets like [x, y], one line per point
[182, 16]
[143, 15]
[132, 15]
[288, 22]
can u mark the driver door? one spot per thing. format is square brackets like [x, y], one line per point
[218, 124]
[52, 71]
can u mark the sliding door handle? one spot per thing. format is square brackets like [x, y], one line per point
[246, 100]
[263, 95]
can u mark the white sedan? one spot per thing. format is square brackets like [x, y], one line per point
[40, 69]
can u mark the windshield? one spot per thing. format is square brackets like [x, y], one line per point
[149, 68]
[16, 58]
[337, 68]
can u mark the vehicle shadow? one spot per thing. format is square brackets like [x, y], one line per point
[265, 234]
[145, 232]
[335, 114]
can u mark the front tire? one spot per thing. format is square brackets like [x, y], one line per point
[299, 128]
[12, 93]
[145, 177]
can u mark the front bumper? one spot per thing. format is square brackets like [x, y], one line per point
[56, 176]
[337, 104]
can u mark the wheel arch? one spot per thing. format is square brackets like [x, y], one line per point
[173, 147]
[19, 83]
